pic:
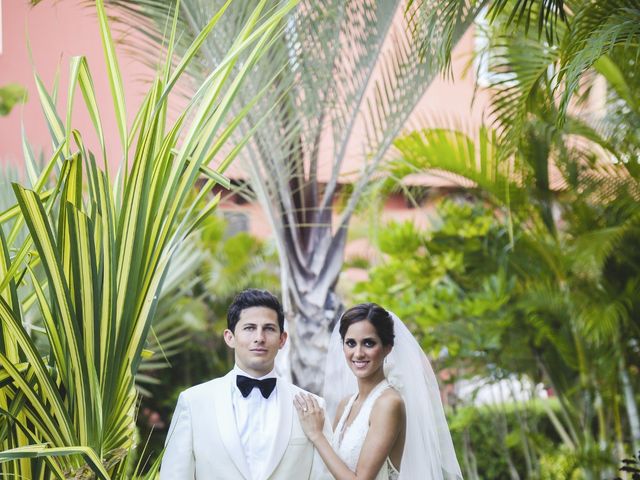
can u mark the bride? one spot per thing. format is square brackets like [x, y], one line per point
[389, 421]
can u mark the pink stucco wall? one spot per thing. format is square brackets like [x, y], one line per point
[57, 31]
[447, 102]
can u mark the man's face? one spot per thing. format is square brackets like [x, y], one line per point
[256, 340]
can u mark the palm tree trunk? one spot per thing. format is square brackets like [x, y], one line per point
[501, 423]
[469, 458]
[310, 331]
[617, 424]
[569, 437]
[525, 429]
[502, 429]
[630, 404]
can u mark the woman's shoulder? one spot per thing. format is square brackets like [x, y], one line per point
[391, 396]
[388, 412]
[389, 402]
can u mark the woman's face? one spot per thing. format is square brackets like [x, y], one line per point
[363, 349]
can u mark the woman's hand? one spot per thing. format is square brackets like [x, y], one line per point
[311, 416]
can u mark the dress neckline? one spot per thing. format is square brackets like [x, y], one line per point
[342, 423]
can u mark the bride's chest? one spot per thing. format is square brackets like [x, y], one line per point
[353, 429]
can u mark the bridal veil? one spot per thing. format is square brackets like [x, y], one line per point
[428, 451]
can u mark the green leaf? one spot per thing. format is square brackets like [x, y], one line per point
[115, 78]
[36, 451]
[10, 96]
[609, 70]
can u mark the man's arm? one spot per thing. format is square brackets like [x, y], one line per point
[178, 462]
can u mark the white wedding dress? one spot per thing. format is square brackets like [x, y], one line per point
[347, 442]
[428, 450]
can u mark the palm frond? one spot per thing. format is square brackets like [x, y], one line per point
[598, 28]
[617, 79]
[526, 72]
[547, 309]
[439, 21]
[521, 13]
[437, 24]
[601, 316]
[592, 249]
[475, 159]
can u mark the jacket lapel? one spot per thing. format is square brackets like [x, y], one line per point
[223, 409]
[285, 422]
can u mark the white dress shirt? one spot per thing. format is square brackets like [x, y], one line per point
[257, 421]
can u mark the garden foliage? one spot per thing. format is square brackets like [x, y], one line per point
[104, 246]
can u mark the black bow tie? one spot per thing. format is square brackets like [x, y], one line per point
[246, 384]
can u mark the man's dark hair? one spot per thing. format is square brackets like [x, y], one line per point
[252, 297]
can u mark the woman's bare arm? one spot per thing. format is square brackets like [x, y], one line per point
[386, 421]
[385, 425]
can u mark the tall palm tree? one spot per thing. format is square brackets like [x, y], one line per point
[351, 66]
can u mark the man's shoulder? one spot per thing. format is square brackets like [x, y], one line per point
[297, 390]
[204, 388]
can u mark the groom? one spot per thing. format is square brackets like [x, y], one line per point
[243, 425]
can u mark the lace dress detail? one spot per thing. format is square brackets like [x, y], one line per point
[347, 442]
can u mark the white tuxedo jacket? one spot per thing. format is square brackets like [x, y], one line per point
[203, 442]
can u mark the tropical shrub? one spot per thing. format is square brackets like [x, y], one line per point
[105, 246]
[564, 181]
[489, 441]
[489, 305]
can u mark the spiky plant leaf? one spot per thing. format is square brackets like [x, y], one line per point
[105, 251]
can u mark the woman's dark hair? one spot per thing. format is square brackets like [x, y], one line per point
[378, 316]
[253, 297]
